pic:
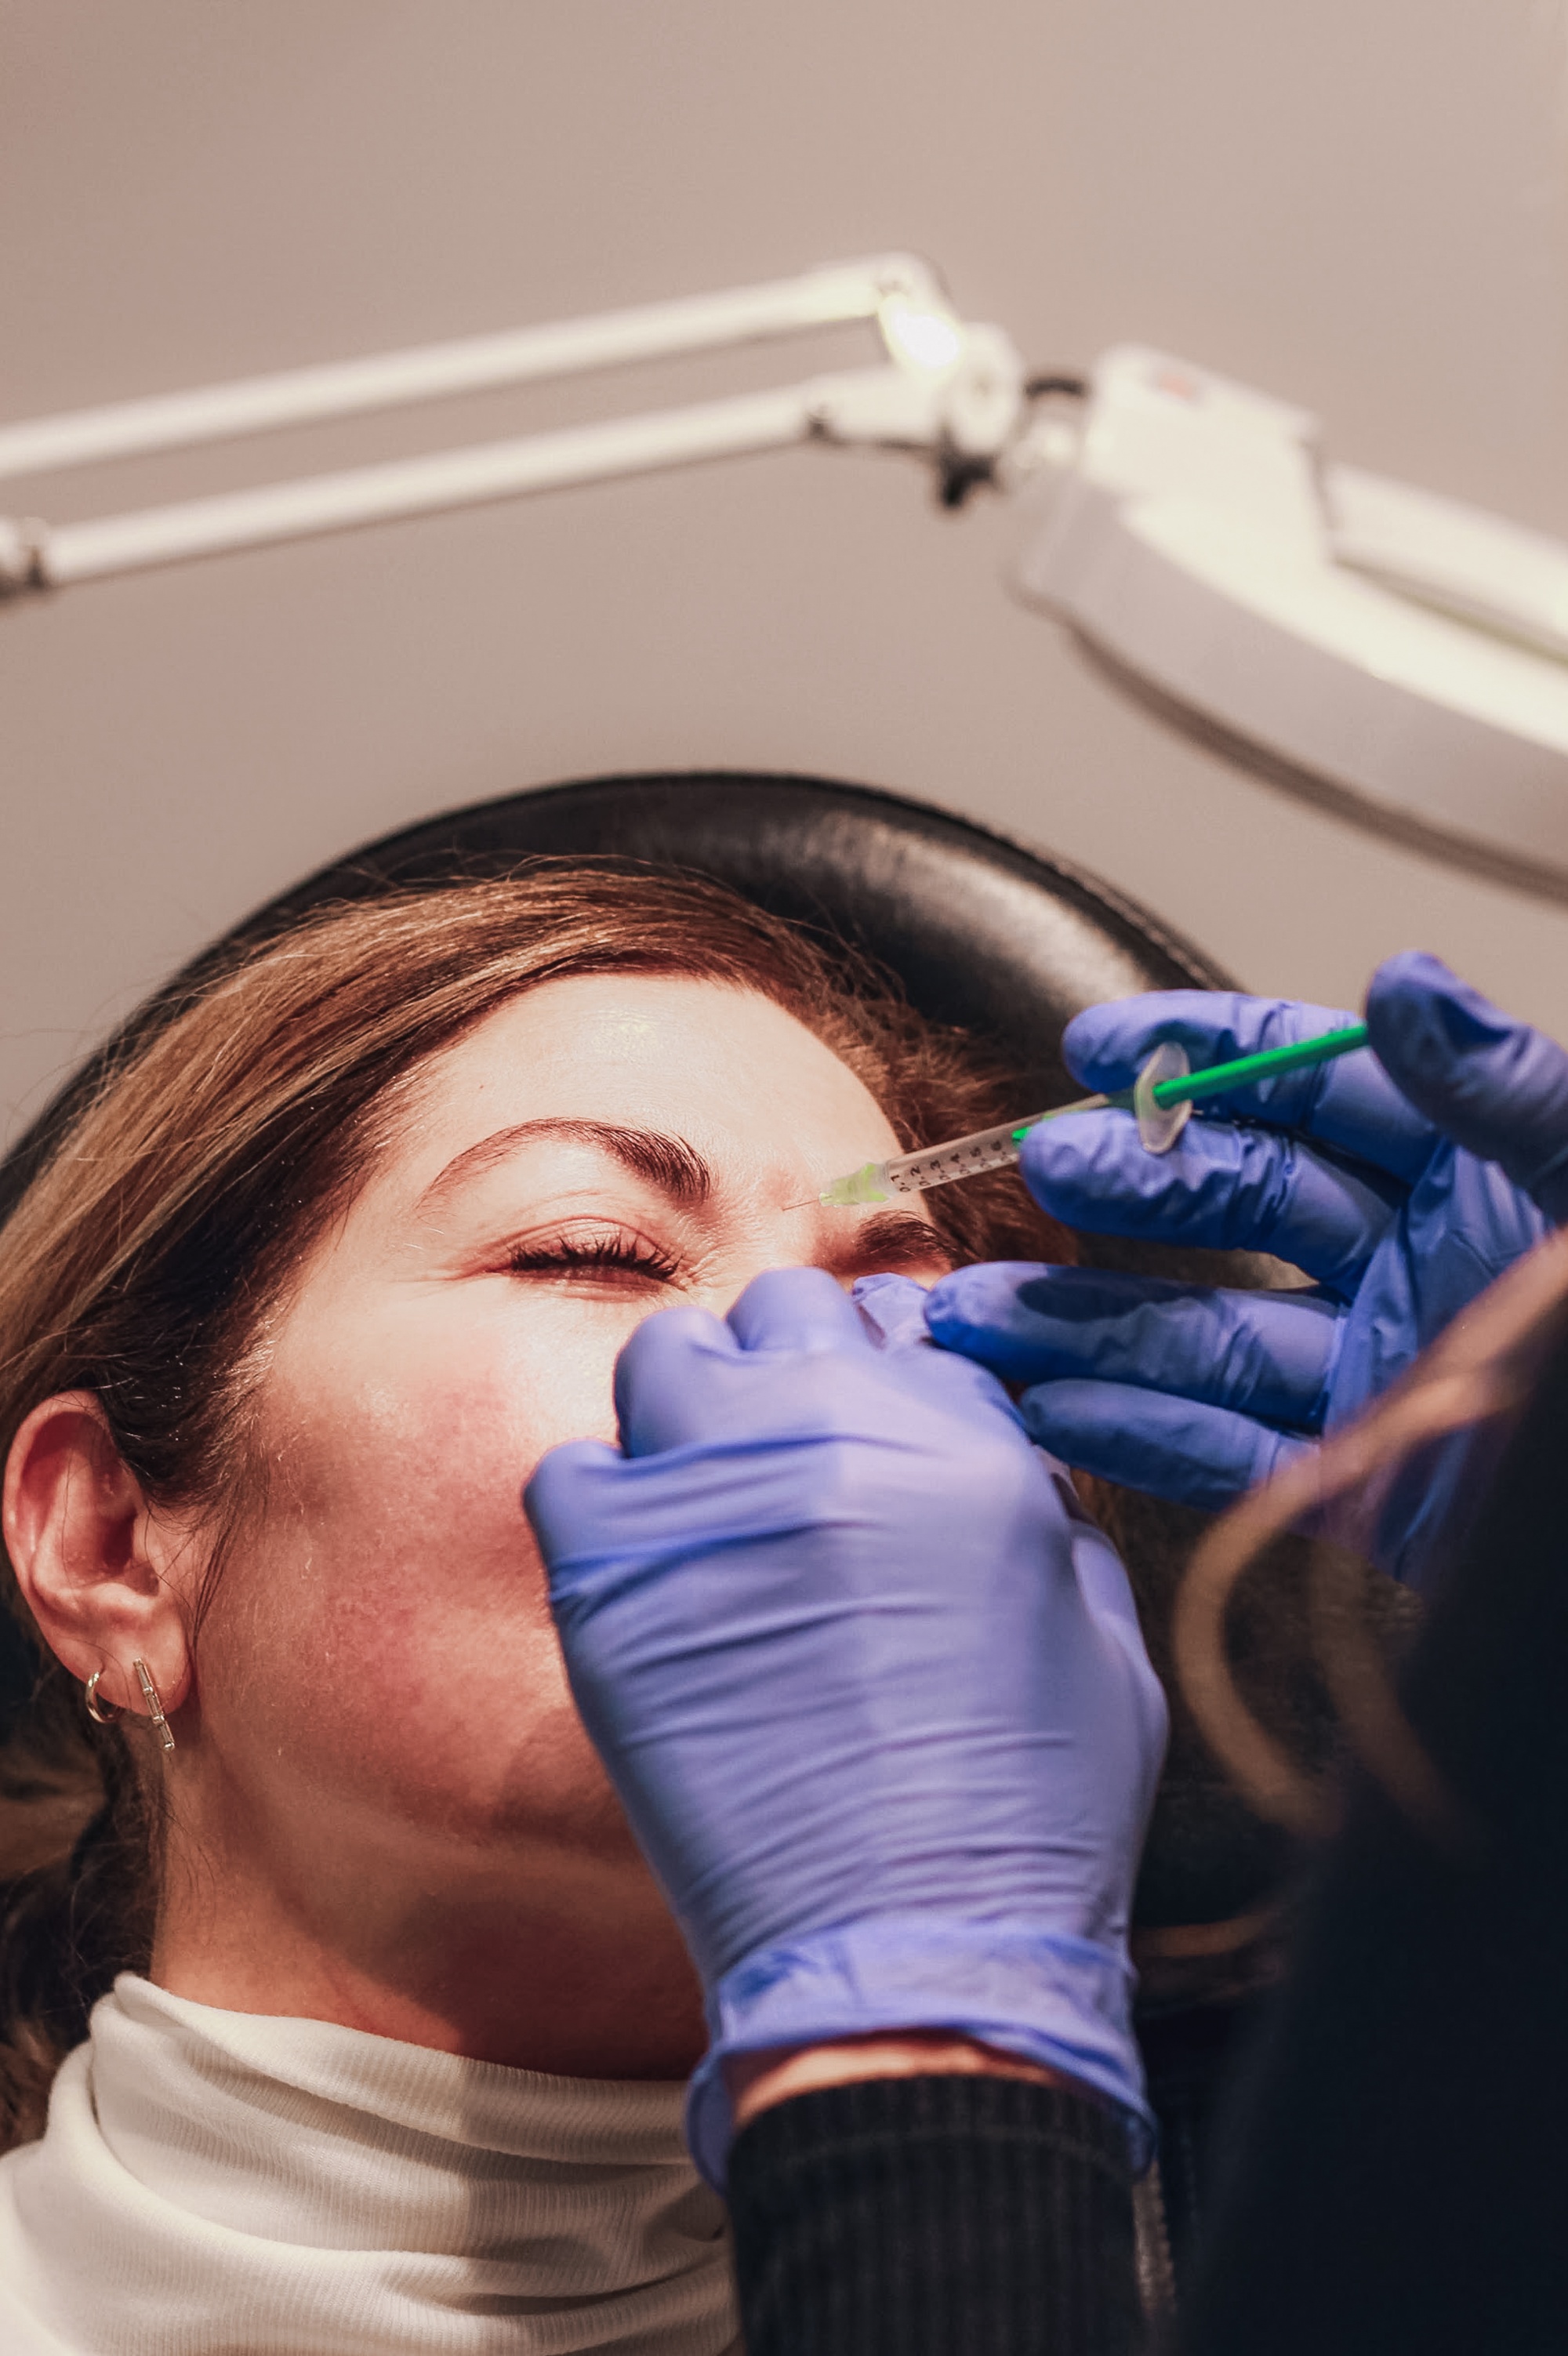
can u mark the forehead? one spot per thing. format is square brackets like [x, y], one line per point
[722, 1066]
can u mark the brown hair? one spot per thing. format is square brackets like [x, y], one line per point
[1471, 1383]
[146, 1254]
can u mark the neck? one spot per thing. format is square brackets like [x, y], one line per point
[551, 1960]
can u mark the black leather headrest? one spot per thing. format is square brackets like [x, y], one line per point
[1005, 941]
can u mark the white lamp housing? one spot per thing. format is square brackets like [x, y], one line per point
[1359, 641]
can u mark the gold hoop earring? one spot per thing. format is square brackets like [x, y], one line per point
[155, 1707]
[95, 1709]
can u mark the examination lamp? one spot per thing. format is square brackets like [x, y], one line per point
[1398, 655]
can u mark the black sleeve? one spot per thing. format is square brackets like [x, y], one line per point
[1392, 2173]
[935, 2217]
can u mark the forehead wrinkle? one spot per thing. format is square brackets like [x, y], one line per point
[676, 1168]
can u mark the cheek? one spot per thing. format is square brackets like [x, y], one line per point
[417, 1452]
[392, 1604]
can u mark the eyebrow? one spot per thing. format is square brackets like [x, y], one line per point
[677, 1169]
[891, 1240]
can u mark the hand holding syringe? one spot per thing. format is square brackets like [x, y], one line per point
[1161, 1099]
[1399, 1181]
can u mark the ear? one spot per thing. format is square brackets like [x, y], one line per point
[90, 1561]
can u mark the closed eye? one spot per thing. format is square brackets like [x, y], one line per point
[614, 1255]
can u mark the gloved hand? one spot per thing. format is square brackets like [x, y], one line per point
[870, 1688]
[1402, 1181]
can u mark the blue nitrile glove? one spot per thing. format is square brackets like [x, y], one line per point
[1402, 1215]
[871, 1691]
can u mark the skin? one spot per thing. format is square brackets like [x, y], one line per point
[384, 1809]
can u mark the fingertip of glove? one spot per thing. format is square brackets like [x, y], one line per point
[891, 1307]
[1104, 1045]
[1420, 1014]
[982, 1301]
[1094, 1045]
[1422, 967]
[651, 1357]
[666, 1328]
[558, 1469]
[1058, 1160]
[796, 1309]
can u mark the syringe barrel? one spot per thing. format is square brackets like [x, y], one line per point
[937, 1165]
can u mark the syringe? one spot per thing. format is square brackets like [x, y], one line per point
[1161, 1099]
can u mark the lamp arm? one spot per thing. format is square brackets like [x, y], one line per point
[952, 392]
[839, 293]
[1400, 657]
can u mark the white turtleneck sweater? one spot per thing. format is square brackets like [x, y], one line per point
[229, 2184]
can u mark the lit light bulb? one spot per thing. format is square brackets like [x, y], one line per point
[918, 337]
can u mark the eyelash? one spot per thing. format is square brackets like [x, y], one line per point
[610, 1247]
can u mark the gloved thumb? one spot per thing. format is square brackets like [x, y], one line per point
[796, 1309]
[1497, 1087]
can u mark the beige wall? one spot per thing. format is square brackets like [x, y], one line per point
[1359, 204]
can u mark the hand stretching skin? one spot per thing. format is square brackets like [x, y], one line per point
[1401, 1180]
[870, 1688]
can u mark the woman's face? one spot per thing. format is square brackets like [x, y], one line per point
[378, 1665]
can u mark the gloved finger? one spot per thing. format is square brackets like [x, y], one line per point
[666, 1376]
[1107, 1592]
[797, 1309]
[1348, 1104]
[892, 1310]
[1194, 1455]
[1497, 1087]
[1265, 1354]
[1102, 1575]
[1226, 1188]
[560, 1500]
